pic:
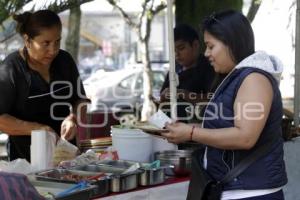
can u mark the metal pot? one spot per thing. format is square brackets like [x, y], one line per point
[149, 175]
[152, 176]
[119, 181]
[180, 159]
[124, 182]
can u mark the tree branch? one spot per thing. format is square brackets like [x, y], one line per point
[8, 7]
[57, 6]
[255, 4]
[126, 17]
[65, 5]
[159, 8]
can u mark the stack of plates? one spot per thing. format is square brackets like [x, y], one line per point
[97, 144]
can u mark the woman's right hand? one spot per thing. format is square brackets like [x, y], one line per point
[165, 95]
[178, 132]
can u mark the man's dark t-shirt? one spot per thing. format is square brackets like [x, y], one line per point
[197, 79]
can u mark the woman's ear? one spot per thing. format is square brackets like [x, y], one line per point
[26, 41]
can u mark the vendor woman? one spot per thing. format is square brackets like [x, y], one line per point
[39, 84]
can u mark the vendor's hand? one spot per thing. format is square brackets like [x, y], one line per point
[178, 132]
[68, 128]
[165, 95]
[155, 101]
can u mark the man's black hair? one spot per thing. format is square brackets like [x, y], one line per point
[186, 33]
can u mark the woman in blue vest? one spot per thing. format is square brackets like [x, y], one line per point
[243, 114]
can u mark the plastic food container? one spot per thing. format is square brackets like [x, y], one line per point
[75, 176]
[132, 144]
[148, 176]
[119, 182]
[54, 188]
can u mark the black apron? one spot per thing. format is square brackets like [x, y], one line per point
[37, 108]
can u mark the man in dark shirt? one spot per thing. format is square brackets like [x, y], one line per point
[195, 75]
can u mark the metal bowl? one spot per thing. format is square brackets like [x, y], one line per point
[68, 176]
[124, 182]
[148, 176]
[180, 159]
[152, 176]
[119, 181]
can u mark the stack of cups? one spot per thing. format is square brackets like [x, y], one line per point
[42, 148]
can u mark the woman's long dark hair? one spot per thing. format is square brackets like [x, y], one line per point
[235, 31]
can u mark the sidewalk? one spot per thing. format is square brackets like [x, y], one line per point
[292, 161]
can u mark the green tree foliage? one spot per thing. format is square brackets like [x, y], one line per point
[73, 37]
[7, 7]
[192, 12]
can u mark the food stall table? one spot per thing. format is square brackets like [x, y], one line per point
[172, 189]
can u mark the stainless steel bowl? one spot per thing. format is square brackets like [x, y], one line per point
[149, 176]
[180, 159]
[68, 176]
[152, 176]
[124, 182]
[119, 181]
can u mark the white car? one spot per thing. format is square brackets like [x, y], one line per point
[120, 89]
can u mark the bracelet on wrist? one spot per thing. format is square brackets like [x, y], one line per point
[191, 134]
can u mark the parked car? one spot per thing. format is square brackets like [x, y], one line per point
[121, 88]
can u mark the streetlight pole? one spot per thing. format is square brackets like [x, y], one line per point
[297, 68]
[172, 72]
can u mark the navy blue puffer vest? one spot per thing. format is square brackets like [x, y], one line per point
[269, 170]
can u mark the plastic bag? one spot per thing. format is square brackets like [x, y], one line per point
[109, 154]
[86, 158]
[19, 165]
[64, 150]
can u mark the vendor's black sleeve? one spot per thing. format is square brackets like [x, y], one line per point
[7, 88]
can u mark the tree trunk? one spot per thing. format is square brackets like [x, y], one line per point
[297, 69]
[148, 106]
[73, 37]
[142, 26]
[255, 4]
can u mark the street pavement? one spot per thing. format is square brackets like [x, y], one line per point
[292, 161]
